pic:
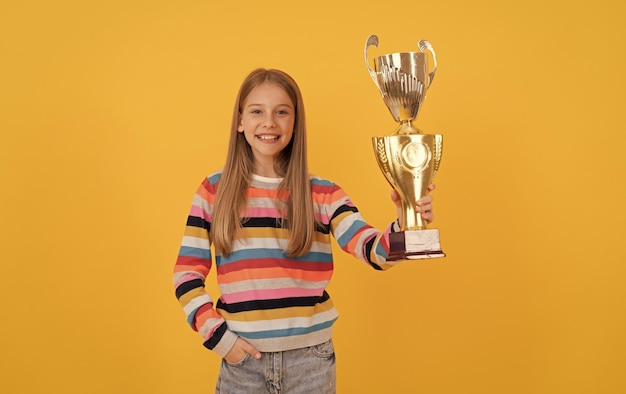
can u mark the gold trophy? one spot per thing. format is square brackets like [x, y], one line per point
[408, 158]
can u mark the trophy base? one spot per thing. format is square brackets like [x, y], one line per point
[414, 245]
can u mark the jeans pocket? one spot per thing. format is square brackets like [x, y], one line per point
[324, 350]
[240, 362]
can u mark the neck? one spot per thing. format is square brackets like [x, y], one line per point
[265, 168]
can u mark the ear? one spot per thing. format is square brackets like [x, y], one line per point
[240, 127]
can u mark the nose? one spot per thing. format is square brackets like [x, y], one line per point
[269, 122]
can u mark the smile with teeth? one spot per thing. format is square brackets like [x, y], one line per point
[266, 137]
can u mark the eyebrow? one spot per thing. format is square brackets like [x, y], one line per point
[262, 105]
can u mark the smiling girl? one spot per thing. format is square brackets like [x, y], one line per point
[270, 223]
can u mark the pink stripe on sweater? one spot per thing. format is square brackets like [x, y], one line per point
[262, 213]
[270, 294]
[322, 217]
[199, 212]
[187, 278]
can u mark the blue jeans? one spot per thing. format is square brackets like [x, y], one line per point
[306, 370]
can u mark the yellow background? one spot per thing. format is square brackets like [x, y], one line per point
[111, 113]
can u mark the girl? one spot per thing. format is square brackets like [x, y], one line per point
[270, 223]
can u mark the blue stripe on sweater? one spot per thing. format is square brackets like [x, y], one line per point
[252, 254]
[214, 178]
[350, 232]
[287, 332]
[321, 182]
[192, 317]
[188, 251]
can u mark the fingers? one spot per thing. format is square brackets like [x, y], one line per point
[425, 204]
[251, 350]
[425, 208]
[395, 197]
[235, 354]
[239, 350]
[428, 217]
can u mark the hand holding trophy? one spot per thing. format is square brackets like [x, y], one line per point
[408, 158]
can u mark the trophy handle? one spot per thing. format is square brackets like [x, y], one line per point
[371, 40]
[438, 152]
[425, 45]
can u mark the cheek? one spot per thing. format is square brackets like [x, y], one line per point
[290, 125]
[291, 136]
[248, 136]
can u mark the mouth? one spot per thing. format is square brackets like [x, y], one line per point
[268, 138]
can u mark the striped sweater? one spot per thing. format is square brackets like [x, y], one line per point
[271, 300]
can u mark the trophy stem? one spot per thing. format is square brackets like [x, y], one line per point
[406, 127]
[411, 220]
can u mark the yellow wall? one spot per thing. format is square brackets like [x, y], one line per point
[112, 112]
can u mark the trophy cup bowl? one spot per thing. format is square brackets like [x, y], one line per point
[408, 158]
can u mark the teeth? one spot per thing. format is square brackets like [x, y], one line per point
[268, 137]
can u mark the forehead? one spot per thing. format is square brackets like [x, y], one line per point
[268, 93]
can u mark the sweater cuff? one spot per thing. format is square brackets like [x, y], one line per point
[395, 226]
[226, 343]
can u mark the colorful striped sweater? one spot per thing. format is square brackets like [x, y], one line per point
[271, 300]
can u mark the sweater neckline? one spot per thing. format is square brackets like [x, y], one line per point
[266, 179]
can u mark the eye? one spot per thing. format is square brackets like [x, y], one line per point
[255, 111]
[282, 112]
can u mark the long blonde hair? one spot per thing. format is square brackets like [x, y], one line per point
[291, 164]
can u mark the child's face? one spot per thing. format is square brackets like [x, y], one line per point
[267, 120]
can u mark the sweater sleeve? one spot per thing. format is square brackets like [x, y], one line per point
[354, 235]
[191, 270]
